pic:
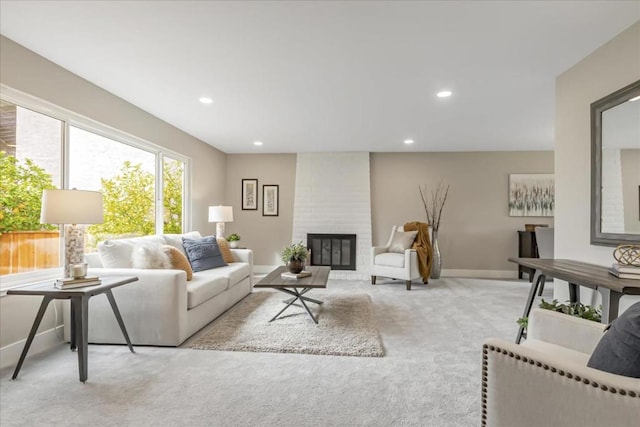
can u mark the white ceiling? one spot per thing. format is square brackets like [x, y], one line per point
[329, 76]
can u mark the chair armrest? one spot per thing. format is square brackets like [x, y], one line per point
[564, 330]
[525, 387]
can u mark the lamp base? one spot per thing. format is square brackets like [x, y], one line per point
[73, 247]
[220, 230]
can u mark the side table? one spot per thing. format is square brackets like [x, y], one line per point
[79, 314]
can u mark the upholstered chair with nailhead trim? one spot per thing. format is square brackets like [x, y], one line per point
[545, 380]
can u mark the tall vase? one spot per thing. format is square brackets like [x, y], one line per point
[436, 267]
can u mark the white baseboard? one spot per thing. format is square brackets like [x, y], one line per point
[481, 274]
[10, 354]
[478, 274]
[263, 269]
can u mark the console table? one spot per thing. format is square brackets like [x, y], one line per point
[79, 314]
[579, 274]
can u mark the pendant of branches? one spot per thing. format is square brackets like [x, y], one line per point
[433, 203]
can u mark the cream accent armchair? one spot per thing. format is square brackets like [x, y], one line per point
[394, 265]
[545, 380]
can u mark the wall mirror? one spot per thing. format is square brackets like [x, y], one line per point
[615, 167]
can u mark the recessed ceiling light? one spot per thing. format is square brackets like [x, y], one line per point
[636, 98]
[444, 94]
[257, 143]
[408, 141]
[205, 100]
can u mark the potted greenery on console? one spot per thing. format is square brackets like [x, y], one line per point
[294, 257]
[234, 240]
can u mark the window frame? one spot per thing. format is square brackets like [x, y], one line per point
[70, 118]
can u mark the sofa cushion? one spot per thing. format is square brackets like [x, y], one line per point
[203, 254]
[225, 250]
[402, 240]
[178, 260]
[618, 352]
[203, 287]
[234, 272]
[390, 259]
[117, 253]
[175, 240]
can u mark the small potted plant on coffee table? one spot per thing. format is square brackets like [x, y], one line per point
[294, 257]
[234, 240]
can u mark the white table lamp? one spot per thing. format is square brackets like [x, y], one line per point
[220, 215]
[72, 207]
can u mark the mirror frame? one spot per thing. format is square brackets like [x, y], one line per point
[597, 108]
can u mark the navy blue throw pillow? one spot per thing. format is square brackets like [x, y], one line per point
[618, 352]
[203, 254]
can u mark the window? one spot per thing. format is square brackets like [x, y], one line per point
[126, 177]
[172, 194]
[30, 161]
[144, 185]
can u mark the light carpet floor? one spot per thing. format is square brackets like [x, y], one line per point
[430, 375]
[346, 326]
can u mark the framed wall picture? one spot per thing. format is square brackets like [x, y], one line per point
[531, 194]
[270, 200]
[249, 194]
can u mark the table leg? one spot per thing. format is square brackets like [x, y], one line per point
[574, 292]
[72, 326]
[82, 334]
[529, 304]
[114, 307]
[304, 291]
[610, 304]
[308, 311]
[288, 304]
[297, 295]
[32, 334]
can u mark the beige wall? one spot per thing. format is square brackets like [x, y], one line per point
[476, 232]
[266, 235]
[23, 70]
[611, 67]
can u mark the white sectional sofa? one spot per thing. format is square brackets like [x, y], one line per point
[163, 308]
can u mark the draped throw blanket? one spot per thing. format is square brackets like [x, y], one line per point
[422, 245]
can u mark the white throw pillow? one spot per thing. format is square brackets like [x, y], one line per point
[148, 256]
[402, 240]
[117, 253]
[175, 240]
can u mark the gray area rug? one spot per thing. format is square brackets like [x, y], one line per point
[346, 326]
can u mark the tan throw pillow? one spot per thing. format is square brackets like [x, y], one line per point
[402, 240]
[178, 260]
[225, 250]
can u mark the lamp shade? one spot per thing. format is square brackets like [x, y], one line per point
[220, 214]
[71, 207]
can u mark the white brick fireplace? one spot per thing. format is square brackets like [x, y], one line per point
[332, 195]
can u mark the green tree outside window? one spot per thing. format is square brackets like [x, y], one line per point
[21, 186]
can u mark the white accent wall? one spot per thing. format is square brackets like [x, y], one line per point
[333, 195]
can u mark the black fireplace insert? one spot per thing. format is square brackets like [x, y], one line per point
[337, 251]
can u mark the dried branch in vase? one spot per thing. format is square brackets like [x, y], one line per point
[434, 203]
